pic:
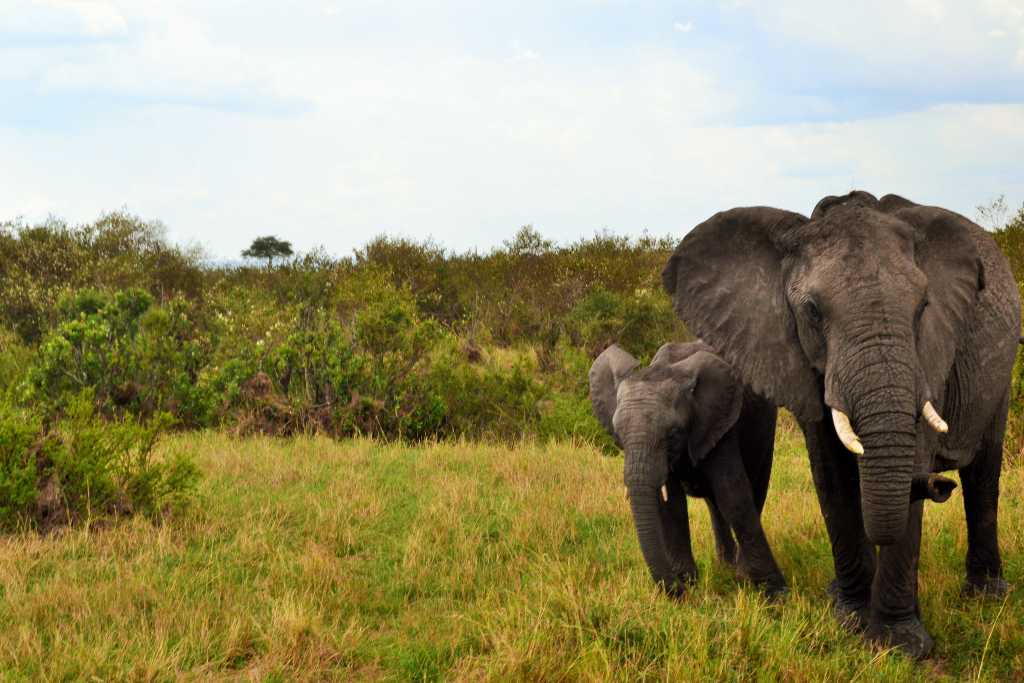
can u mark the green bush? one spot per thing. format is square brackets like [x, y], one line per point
[20, 446]
[83, 468]
[15, 357]
[640, 322]
[134, 357]
[404, 340]
[571, 417]
[490, 399]
[91, 350]
[109, 467]
[40, 265]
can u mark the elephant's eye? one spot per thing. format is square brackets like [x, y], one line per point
[813, 312]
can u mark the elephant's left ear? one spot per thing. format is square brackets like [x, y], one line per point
[716, 398]
[946, 252]
[727, 279]
[609, 369]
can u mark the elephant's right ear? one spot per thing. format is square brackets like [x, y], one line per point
[726, 279]
[611, 367]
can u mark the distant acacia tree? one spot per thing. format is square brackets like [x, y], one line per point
[528, 242]
[268, 247]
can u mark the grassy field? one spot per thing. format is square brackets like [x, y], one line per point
[310, 559]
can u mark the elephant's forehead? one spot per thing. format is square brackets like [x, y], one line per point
[855, 229]
[862, 242]
[843, 264]
[645, 388]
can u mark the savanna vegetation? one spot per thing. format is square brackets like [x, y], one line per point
[315, 559]
[442, 509]
[400, 341]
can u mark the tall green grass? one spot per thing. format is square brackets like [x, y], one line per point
[310, 559]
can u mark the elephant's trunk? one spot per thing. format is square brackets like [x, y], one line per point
[886, 469]
[660, 539]
[645, 504]
[882, 396]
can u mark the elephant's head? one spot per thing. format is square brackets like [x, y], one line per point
[853, 315]
[679, 406]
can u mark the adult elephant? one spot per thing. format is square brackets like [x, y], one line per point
[870, 321]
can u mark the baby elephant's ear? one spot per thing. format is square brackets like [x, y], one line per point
[715, 401]
[611, 367]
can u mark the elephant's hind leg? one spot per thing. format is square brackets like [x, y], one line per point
[759, 472]
[981, 505]
[725, 546]
[733, 496]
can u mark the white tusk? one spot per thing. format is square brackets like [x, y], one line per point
[931, 416]
[844, 430]
[664, 493]
[625, 491]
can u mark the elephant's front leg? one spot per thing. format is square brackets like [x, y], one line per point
[734, 497]
[675, 521]
[895, 617]
[837, 483]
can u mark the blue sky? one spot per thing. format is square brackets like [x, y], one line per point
[328, 122]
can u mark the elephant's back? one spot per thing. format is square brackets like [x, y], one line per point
[673, 352]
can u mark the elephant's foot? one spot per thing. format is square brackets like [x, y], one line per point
[985, 587]
[852, 612]
[772, 583]
[908, 635]
[726, 556]
[677, 587]
[774, 588]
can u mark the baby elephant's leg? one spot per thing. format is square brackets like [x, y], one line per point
[725, 546]
[734, 497]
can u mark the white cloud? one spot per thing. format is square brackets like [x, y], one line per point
[97, 18]
[954, 43]
[933, 9]
[170, 53]
[523, 54]
[413, 133]
[683, 28]
[94, 18]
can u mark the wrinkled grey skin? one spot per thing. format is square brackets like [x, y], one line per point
[871, 307]
[686, 423]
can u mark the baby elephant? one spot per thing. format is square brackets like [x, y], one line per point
[688, 427]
